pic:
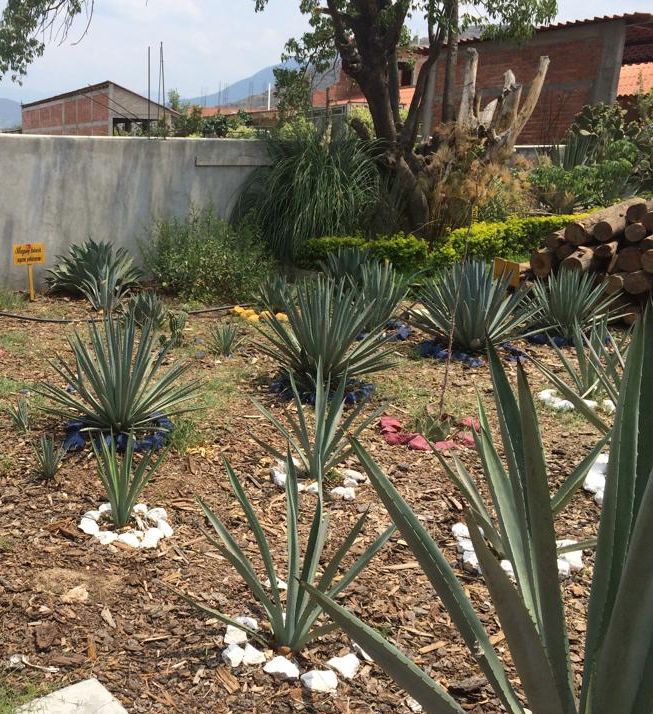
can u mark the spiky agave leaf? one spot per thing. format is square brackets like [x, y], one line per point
[49, 456]
[382, 289]
[224, 340]
[147, 306]
[467, 298]
[115, 384]
[346, 263]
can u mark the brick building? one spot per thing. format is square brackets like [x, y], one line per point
[97, 110]
[604, 59]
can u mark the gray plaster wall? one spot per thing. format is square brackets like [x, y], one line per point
[60, 190]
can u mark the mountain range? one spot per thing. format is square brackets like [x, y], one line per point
[9, 113]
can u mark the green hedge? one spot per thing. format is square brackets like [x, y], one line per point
[515, 238]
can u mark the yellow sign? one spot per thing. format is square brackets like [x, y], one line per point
[29, 253]
[507, 269]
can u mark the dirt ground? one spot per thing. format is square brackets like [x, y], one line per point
[152, 650]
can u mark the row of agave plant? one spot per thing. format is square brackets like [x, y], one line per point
[518, 525]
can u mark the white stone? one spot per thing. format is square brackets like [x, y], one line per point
[106, 537]
[279, 478]
[347, 665]
[313, 488]
[86, 697]
[507, 568]
[561, 405]
[89, 526]
[573, 557]
[460, 530]
[598, 498]
[413, 705]
[131, 538]
[75, 595]
[104, 508]
[564, 569]
[140, 509]
[340, 493]
[165, 528]
[547, 395]
[282, 668]
[349, 482]
[591, 404]
[608, 406]
[233, 655]
[470, 562]
[246, 621]
[252, 656]
[281, 584]
[465, 544]
[320, 680]
[359, 650]
[235, 636]
[93, 515]
[354, 475]
[151, 538]
[157, 514]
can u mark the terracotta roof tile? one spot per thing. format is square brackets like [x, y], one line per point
[635, 78]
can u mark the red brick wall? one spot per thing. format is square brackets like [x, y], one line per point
[76, 116]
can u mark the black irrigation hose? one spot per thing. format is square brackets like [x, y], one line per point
[69, 321]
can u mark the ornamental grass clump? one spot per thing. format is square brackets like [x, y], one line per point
[116, 384]
[465, 301]
[124, 477]
[569, 298]
[324, 322]
[619, 631]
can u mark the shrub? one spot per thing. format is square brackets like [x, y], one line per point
[201, 257]
[114, 385]
[89, 264]
[321, 335]
[530, 610]
[466, 301]
[407, 253]
[317, 184]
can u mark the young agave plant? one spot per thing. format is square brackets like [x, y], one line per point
[123, 481]
[115, 385]
[601, 360]
[569, 298]
[294, 621]
[48, 457]
[467, 300]
[20, 415]
[382, 290]
[321, 448]
[619, 636]
[147, 306]
[224, 340]
[104, 289]
[323, 324]
[347, 264]
[275, 292]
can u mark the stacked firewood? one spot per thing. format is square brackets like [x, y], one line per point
[615, 243]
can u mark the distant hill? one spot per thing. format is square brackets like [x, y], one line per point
[255, 84]
[9, 114]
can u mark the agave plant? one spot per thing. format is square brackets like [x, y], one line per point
[466, 300]
[346, 263]
[48, 457]
[147, 306]
[114, 385]
[323, 324]
[275, 292]
[382, 289]
[20, 415]
[619, 636]
[224, 340]
[569, 298]
[92, 262]
[294, 619]
[601, 361]
[123, 481]
[321, 448]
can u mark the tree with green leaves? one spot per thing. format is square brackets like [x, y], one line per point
[367, 35]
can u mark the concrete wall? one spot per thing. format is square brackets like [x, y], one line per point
[61, 190]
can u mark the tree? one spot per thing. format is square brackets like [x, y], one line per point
[366, 35]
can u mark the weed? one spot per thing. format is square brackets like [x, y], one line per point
[10, 301]
[184, 436]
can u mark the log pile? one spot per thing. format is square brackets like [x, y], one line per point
[615, 243]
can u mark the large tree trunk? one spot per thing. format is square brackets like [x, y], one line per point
[393, 85]
[449, 97]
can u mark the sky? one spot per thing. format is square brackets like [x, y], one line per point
[206, 43]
